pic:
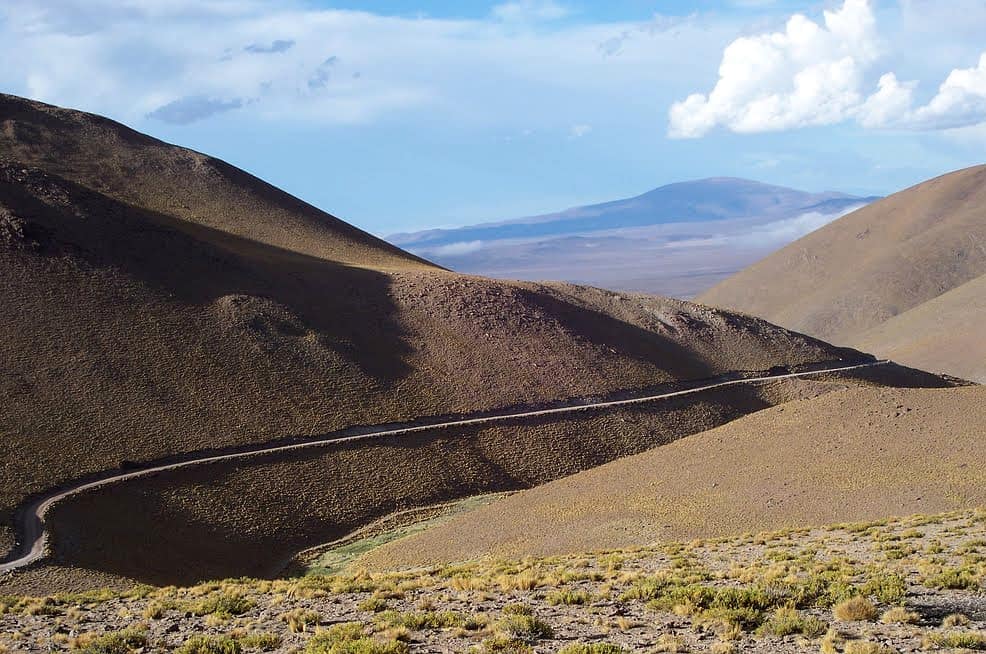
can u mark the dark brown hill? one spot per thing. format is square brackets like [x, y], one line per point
[141, 171]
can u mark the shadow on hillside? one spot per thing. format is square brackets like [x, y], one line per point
[267, 291]
[619, 337]
[264, 510]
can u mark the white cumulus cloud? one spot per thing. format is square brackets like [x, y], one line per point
[809, 74]
[815, 74]
[960, 101]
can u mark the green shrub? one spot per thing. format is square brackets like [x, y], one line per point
[265, 642]
[298, 620]
[524, 628]
[223, 604]
[373, 605]
[117, 642]
[975, 640]
[786, 621]
[568, 597]
[745, 618]
[422, 620]
[709, 597]
[504, 645]
[351, 638]
[209, 645]
[953, 579]
[645, 589]
[887, 588]
[593, 648]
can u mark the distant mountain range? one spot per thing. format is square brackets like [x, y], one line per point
[617, 244]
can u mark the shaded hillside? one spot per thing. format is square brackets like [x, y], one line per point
[871, 265]
[859, 454]
[944, 334]
[157, 302]
[250, 516]
[141, 171]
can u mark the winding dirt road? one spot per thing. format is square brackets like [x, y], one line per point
[33, 536]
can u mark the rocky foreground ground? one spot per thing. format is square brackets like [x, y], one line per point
[904, 585]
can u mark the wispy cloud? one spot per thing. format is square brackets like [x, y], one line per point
[529, 11]
[182, 59]
[453, 249]
[580, 130]
[193, 108]
[277, 46]
[320, 78]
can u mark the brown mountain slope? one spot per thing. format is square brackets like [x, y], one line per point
[152, 306]
[138, 170]
[858, 454]
[871, 265]
[943, 334]
[250, 516]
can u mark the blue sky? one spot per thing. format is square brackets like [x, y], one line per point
[404, 115]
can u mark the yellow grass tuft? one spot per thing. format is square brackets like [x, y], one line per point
[855, 609]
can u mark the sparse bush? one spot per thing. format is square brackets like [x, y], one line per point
[298, 620]
[952, 579]
[200, 644]
[526, 580]
[222, 604]
[373, 605]
[742, 619]
[899, 615]
[833, 642]
[670, 643]
[127, 641]
[422, 620]
[886, 588]
[866, 647]
[264, 642]
[786, 621]
[854, 609]
[955, 620]
[466, 582]
[593, 648]
[43, 606]
[517, 609]
[351, 638]
[524, 628]
[974, 640]
[504, 645]
[568, 597]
